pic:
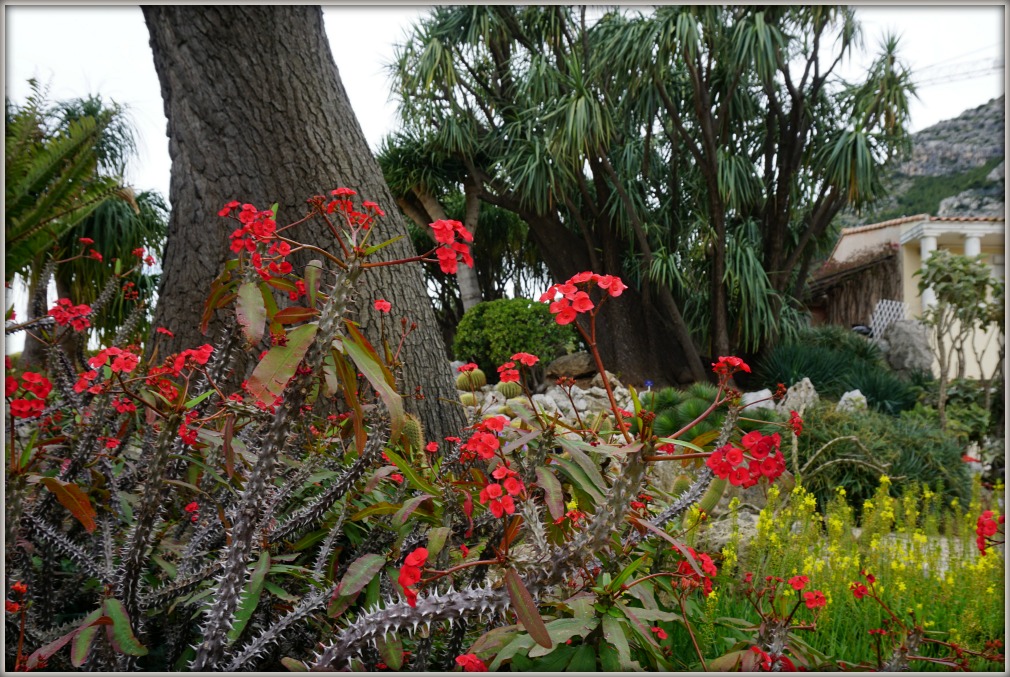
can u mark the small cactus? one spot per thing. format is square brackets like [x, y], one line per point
[714, 493]
[680, 485]
[510, 389]
[468, 399]
[413, 433]
[471, 380]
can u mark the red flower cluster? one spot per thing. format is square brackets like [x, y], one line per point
[355, 219]
[659, 632]
[691, 579]
[431, 447]
[257, 226]
[34, 384]
[450, 252]
[727, 366]
[188, 434]
[198, 355]
[141, 254]
[469, 366]
[859, 591]
[526, 359]
[65, 312]
[123, 361]
[508, 373]
[985, 528]
[484, 442]
[766, 460]
[410, 573]
[470, 663]
[796, 423]
[574, 300]
[814, 599]
[383, 306]
[798, 582]
[498, 497]
[193, 509]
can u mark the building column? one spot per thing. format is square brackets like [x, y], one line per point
[972, 245]
[927, 245]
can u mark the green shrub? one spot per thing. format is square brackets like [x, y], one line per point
[841, 340]
[913, 449]
[792, 362]
[491, 332]
[884, 390]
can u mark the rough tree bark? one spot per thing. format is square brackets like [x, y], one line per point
[257, 112]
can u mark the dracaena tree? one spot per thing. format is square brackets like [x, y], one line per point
[702, 151]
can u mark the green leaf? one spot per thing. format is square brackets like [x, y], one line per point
[563, 629]
[587, 464]
[610, 661]
[272, 374]
[81, 646]
[73, 498]
[411, 474]
[376, 247]
[683, 443]
[511, 649]
[626, 573]
[555, 661]
[251, 312]
[436, 541]
[491, 642]
[526, 609]
[122, 637]
[409, 506]
[359, 573]
[381, 508]
[313, 269]
[198, 399]
[368, 362]
[554, 497]
[250, 597]
[614, 635]
[579, 477]
[584, 659]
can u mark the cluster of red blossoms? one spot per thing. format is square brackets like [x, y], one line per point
[484, 442]
[574, 300]
[985, 529]
[65, 312]
[450, 252]
[766, 460]
[859, 591]
[691, 579]
[470, 663]
[355, 219]
[410, 573]
[33, 384]
[498, 497]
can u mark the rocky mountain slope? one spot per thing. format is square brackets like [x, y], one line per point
[956, 168]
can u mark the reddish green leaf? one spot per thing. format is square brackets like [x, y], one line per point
[554, 497]
[561, 630]
[294, 665]
[526, 609]
[359, 573]
[283, 284]
[367, 360]
[250, 596]
[436, 541]
[404, 513]
[272, 374]
[220, 288]
[251, 312]
[83, 638]
[349, 383]
[120, 633]
[613, 633]
[579, 478]
[73, 499]
[492, 641]
[313, 269]
[391, 650]
[295, 314]
[44, 653]
[226, 446]
[381, 508]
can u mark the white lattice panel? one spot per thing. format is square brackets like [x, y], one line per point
[884, 314]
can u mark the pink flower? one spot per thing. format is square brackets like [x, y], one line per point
[383, 306]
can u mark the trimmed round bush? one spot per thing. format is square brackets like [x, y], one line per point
[492, 332]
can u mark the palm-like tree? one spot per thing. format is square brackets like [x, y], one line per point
[61, 196]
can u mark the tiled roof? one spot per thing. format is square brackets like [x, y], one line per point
[917, 217]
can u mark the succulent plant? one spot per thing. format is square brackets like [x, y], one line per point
[509, 389]
[471, 380]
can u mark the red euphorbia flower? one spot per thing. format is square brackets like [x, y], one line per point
[814, 599]
[526, 359]
[470, 663]
[727, 366]
[859, 591]
[507, 373]
[798, 582]
[796, 423]
[65, 312]
[383, 306]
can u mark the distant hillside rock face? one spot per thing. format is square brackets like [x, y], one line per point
[951, 148]
[968, 141]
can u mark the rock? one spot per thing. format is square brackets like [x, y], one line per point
[908, 348]
[575, 365]
[717, 533]
[597, 381]
[545, 402]
[852, 401]
[801, 395]
[763, 398]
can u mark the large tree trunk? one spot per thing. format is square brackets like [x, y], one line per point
[257, 113]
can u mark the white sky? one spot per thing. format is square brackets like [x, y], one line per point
[81, 50]
[104, 50]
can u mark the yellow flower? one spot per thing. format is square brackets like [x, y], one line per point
[901, 586]
[884, 479]
[841, 491]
